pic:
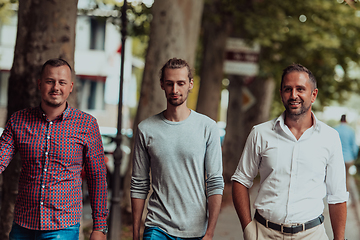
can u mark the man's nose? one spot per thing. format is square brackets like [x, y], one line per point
[293, 93]
[56, 85]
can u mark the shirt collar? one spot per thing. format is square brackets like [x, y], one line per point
[280, 121]
[62, 116]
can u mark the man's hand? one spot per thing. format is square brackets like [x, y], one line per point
[206, 237]
[97, 235]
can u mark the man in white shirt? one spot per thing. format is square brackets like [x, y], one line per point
[300, 161]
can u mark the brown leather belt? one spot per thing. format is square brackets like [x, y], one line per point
[293, 229]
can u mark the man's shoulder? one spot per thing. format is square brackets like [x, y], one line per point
[25, 112]
[202, 117]
[80, 114]
[150, 121]
[268, 125]
[326, 129]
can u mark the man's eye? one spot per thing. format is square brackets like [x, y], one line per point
[62, 83]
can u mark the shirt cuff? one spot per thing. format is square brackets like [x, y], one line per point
[246, 183]
[334, 199]
[99, 224]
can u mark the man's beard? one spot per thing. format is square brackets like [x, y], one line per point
[298, 112]
[53, 104]
[176, 103]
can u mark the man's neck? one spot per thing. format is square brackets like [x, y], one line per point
[52, 112]
[177, 113]
[298, 125]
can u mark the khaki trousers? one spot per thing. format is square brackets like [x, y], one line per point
[256, 231]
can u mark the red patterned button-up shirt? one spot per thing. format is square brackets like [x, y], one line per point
[53, 154]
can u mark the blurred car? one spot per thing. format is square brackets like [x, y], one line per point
[108, 135]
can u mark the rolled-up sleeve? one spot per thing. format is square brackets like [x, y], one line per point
[140, 179]
[213, 163]
[247, 168]
[336, 176]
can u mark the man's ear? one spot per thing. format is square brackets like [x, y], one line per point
[191, 84]
[314, 95]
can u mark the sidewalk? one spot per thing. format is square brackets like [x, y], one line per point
[228, 226]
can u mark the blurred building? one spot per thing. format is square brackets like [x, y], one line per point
[97, 64]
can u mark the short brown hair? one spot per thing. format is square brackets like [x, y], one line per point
[175, 63]
[298, 68]
[55, 62]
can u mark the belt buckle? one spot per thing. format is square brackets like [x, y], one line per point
[282, 228]
[303, 227]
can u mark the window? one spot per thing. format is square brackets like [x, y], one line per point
[97, 34]
[90, 93]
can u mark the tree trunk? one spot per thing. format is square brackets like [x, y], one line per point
[174, 33]
[215, 32]
[46, 29]
[240, 120]
[234, 127]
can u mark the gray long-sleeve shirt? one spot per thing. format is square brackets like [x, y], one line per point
[186, 168]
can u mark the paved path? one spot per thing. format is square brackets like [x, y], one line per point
[228, 225]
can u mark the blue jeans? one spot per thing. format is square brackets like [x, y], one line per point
[155, 233]
[20, 233]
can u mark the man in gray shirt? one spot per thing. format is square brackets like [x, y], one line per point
[182, 149]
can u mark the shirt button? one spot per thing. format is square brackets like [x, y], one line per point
[48, 137]
[41, 203]
[46, 153]
[43, 186]
[45, 169]
[51, 122]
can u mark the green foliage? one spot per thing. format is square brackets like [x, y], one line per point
[6, 9]
[319, 34]
[138, 17]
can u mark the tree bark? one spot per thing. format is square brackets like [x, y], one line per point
[216, 29]
[46, 29]
[174, 32]
[240, 122]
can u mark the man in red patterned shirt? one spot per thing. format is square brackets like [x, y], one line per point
[55, 141]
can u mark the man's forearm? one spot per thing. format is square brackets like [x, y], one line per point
[241, 200]
[338, 214]
[137, 206]
[214, 205]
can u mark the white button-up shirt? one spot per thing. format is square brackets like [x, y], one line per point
[295, 175]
